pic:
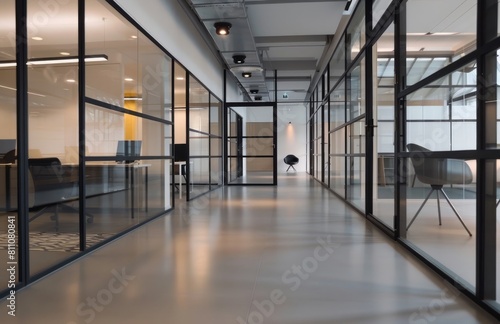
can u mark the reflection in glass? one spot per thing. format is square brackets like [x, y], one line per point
[451, 30]
[53, 140]
[441, 117]
[356, 168]
[337, 160]
[123, 195]
[383, 112]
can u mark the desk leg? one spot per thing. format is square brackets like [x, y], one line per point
[132, 191]
[146, 187]
[180, 181]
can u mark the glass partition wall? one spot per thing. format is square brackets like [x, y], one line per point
[413, 132]
[90, 142]
[205, 167]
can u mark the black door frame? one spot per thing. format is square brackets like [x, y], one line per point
[229, 105]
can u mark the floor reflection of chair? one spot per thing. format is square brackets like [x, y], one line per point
[438, 172]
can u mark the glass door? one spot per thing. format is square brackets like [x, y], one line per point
[251, 144]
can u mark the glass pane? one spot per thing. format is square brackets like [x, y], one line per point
[256, 170]
[53, 138]
[440, 116]
[106, 130]
[442, 119]
[356, 91]
[356, 168]
[216, 172]
[379, 8]
[258, 146]
[337, 160]
[118, 73]
[337, 63]
[383, 157]
[199, 176]
[8, 134]
[449, 28]
[120, 196]
[198, 144]
[337, 107]
[215, 116]
[356, 34]
[199, 109]
[153, 88]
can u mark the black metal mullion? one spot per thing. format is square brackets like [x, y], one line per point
[22, 140]
[225, 127]
[486, 254]
[172, 132]
[188, 142]
[369, 122]
[400, 168]
[81, 125]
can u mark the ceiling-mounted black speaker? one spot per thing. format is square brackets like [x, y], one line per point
[239, 59]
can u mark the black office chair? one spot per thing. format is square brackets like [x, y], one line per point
[438, 172]
[9, 157]
[54, 188]
[291, 160]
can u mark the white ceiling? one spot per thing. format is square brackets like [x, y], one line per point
[290, 36]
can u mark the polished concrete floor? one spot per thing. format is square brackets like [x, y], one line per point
[290, 254]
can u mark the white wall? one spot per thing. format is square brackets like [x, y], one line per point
[292, 137]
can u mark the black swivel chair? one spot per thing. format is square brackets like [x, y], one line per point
[438, 172]
[54, 187]
[9, 157]
[291, 160]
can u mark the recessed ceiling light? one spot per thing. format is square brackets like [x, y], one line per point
[64, 53]
[246, 74]
[254, 91]
[71, 80]
[179, 78]
[129, 79]
[133, 37]
[222, 28]
[37, 38]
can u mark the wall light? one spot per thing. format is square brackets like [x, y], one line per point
[222, 28]
[239, 59]
[254, 91]
[246, 74]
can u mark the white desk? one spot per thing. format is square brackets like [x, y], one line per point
[180, 164]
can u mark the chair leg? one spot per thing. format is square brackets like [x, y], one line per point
[439, 207]
[288, 168]
[421, 206]
[293, 168]
[456, 213]
[498, 202]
